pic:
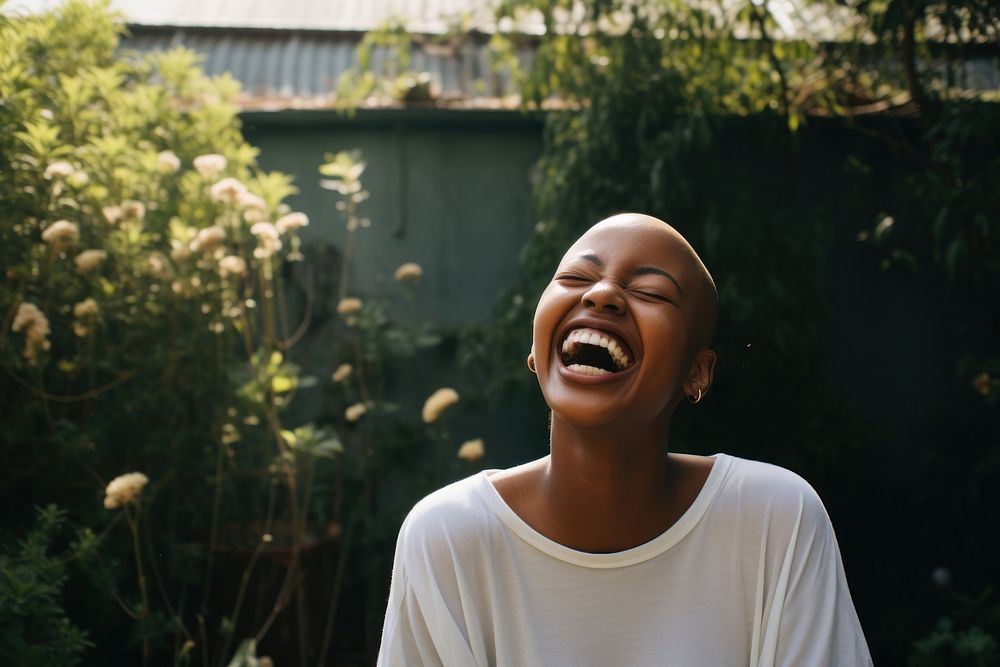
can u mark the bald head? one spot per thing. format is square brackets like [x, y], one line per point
[695, 279]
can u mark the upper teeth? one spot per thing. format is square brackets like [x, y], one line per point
[579, 337]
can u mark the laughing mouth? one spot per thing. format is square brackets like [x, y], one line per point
[593, 352]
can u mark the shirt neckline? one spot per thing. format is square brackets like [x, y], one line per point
[633, 556]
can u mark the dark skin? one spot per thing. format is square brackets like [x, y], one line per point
[609, 483]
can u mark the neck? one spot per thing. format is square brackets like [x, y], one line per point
[611, 486]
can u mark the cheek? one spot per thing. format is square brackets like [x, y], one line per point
[547, 316]
[669, 347]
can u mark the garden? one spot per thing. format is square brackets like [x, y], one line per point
[184, 483]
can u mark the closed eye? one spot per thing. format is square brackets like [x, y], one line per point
[654, 295]
[572, 277]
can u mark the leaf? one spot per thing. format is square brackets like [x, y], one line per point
[283, 383]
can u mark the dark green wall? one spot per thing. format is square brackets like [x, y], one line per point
[449, 190]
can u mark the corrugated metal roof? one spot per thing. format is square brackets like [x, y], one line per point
[423, 16]
[796, 19]
[301, 69]
[292, 53]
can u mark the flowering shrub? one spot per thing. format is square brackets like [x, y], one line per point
[144, 328]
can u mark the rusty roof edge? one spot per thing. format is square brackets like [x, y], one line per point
[389, 116]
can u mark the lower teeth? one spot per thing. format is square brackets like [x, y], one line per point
[587, 370]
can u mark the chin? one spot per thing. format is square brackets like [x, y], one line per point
[583, 414]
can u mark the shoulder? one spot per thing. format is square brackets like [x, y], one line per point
[449, 517]
[770, 491]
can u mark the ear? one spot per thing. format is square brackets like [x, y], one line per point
[701, 374]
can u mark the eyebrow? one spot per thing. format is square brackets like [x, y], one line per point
[641, 271]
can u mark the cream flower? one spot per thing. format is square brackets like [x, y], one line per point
[159, 266]
[349, 305]
[472, 450]
[232, 264]
[112, 214]
[437, 402]
[59, 169]
[133, 210]
[35, 326]
[268, 242]
[209, 165]
[85, 309]
[354, 412]
[78, 179]
[88, 260]
[982, 383]
[409, 271]
[60, 234]
[168, 162]
[228, 190]
[342, 373]
[291, 221]
[124, 489]
[179, 251]
[84, 312]
[254, 207]
[208, 239]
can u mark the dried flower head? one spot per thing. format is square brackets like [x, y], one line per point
[113, 214]
[208, 239]
[349, 305]
[179, 251]
[124, 489]
[254, 207]
[59, 169]
[78, 179]
[210, 165]
[228, 191]
[159, 266]
[472, 450]
[409, 271]
[61, 234]
[982, 383]
[291, 221]
[342, 373]
[133, 210]
[437, 402]
[232, 264]
[354, 412]
[168, 162]
[85, 309]
[268, 242]
[88, 260]
[84, 312]
[35, 326]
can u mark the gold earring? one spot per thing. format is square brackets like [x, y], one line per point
[695, 400]
[531, 363]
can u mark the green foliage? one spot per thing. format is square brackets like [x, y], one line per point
[35, 629]
[149, 324]
[970, 636]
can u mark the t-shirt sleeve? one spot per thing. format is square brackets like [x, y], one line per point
[406, 639]
[818, 624]
[426, 622]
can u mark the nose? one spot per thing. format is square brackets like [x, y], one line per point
[604, 296]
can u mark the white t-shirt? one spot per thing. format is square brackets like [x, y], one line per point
[749, 575]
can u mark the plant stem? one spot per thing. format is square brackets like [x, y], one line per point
[133, 524]
[338, 581]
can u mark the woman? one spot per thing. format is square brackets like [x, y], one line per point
[613, 550]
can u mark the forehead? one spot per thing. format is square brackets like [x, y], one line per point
[632, 242]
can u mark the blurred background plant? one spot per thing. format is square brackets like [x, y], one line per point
[146, 328]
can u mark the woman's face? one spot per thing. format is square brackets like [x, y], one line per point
[614, 331]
